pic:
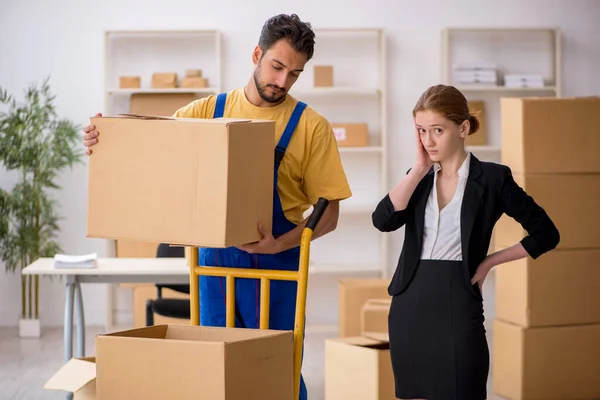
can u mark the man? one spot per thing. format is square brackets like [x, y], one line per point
[307, 166]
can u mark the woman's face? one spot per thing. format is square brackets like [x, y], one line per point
[440, 137]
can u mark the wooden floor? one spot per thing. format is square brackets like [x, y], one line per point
[26, 364]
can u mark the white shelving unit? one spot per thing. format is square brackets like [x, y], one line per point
[511, 51]
[358, 57]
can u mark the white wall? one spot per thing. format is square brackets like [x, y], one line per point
[64, 39]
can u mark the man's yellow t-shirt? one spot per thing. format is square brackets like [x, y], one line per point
[311, 167]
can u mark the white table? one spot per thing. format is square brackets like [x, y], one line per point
[109, 270]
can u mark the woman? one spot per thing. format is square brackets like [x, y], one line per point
[449, 202]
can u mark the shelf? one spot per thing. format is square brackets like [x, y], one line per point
[344, 268]
[335, 91]
[493, 88]
[366, 149]
[153, 90]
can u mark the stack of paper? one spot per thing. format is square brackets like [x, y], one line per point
[524, 80]
[475, 74]
[70, 261]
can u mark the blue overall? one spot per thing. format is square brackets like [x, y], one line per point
[283, 293]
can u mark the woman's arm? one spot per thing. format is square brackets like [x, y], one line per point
[392, 210]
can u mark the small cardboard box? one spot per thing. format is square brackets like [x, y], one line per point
[548, 363]
[551, 135]
[374, 318]
[193, 362]
[358, 368]
[164, 80]
[479, 138]
[77, 376]
[194, 82]
[351, 134]
[571, 201]
[129, 82]
[561, 287]
[200, 182]
[193, 72]
[353, 294]
[323, 76]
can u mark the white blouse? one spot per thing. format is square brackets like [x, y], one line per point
[441, 233]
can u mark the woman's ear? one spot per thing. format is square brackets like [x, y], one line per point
[465, 127]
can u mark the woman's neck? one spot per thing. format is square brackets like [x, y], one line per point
[451, 166]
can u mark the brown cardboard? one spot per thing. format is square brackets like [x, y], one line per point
[159, 103]
[561, 287]
[358, 368]
[571, 200]
[193, 72]
[374, 318]
[77, 376]
[323, 76]
[353, 294]
[551, 135]
[546, 363]
[200, 182]
[479, 138]
[129, 82]
[194, 82]
[351, 134]
[162, 80]
[132, 249]
[192, 362]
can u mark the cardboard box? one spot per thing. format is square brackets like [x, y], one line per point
[200, 182]
[165, 104]
[546, 363]
[129, 82]
[353, 294]
[358, 368]
[77, 376]
[561, 287]
[323, 76]
[194, 82]
[374, 318]
[571, 200]
[193, 72]
[164, 80]
[351, 134]
[551, 135]
[192, 362]
[479, 138]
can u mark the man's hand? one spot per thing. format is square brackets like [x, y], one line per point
[267, 245]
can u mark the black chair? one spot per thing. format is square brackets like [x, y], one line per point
[173, 308]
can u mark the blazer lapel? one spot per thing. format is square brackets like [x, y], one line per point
[420, 209]
[471, 200]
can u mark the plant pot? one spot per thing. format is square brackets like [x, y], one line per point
[29, 328]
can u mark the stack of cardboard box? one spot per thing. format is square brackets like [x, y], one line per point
[546, 342]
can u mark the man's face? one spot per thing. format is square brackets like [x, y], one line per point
[277, 70]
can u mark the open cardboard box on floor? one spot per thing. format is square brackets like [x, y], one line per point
[184, 363]
[199, 182]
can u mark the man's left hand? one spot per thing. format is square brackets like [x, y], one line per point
[267, 245]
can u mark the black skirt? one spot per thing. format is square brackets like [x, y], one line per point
[438, 346]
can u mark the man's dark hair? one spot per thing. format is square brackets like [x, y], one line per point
[282, 26]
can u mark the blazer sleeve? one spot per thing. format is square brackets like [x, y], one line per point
[386, 218]
[542, 234]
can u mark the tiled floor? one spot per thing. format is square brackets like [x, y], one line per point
[25, 364]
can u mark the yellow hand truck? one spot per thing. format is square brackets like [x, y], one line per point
[265, 276]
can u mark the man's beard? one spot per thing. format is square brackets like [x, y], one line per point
[262, 90]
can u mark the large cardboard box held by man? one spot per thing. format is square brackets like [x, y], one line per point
[202, 182]
[193, 362]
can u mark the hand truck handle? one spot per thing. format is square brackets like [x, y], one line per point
[318, 211]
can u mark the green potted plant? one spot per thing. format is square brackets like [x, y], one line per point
[35, 145]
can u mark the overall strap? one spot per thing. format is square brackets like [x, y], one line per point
[284, 141]
[220, 106]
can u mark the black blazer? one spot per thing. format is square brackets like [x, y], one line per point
[490, 191]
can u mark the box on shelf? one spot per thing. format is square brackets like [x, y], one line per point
[545, 135]
[194, 82]
[323, 76]
[546, 363]
[193, 73]
[479, 138]
[358, 368]
[561, 287]
[353, 294]
[374, 318]
[77, 376]
[129, 82]
[201, 182]
[571, 201]
[348, 134]
[164, 80]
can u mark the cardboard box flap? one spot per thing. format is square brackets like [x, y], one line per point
[74, 375]
[379, 336]
[139, 116]
[366, 342]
